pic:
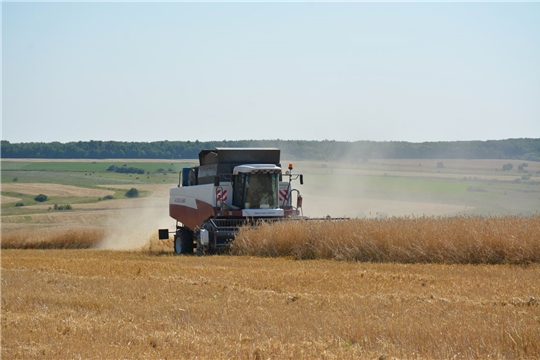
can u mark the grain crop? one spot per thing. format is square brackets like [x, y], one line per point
[448, 240]
[52, 239]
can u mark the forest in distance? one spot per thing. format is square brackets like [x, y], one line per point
[326, 150]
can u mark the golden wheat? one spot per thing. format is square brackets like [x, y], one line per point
[459, 240]
[456, 240]
[52, 239]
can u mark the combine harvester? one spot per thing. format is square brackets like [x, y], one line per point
[230, 188]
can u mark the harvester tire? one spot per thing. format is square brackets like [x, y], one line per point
[183, 241]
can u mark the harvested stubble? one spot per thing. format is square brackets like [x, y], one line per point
[448, 240]
[70, 304]
[52, 239]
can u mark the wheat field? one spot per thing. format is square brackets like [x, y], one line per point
[423, 288]
[460, 287]
[96, 304]
[448, 240]
[452, 240]
[52, 239]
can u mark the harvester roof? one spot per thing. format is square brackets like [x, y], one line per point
[239, 156]
[257, 169]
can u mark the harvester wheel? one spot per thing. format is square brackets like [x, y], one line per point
[183, 241]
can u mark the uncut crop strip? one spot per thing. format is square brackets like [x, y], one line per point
[450, 240]
[52, 239]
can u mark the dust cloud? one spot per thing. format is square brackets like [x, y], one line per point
[322, 206]
[347, 189]
[133, 227]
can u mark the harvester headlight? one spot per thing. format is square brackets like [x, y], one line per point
[205, 237]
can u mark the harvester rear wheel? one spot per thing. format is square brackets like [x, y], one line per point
[183, 241]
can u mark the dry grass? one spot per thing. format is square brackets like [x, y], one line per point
[52, 239]
[449, 240]
[54, 189]
[8, 199]
[89, 238]
[157, 190]
[124, 305]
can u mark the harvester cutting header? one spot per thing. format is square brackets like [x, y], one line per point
[230, 188]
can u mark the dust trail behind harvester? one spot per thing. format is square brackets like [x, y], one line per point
[350, 189]
[134, 227]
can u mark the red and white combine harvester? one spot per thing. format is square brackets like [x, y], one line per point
[230, 188]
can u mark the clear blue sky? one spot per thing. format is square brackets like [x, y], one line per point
[308, 71]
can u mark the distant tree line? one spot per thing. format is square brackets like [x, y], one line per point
[524, 149]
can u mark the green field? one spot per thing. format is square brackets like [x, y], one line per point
[94, 166]
[392, 187]
[90, 174]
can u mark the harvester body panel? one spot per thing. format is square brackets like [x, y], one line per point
[193, 205]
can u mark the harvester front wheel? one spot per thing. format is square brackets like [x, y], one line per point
[183, 241]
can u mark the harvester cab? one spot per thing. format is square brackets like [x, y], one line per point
[229, 188]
